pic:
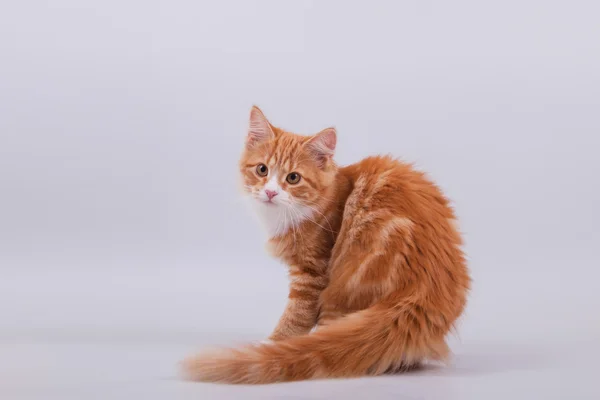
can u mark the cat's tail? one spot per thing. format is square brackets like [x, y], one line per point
[370, 342]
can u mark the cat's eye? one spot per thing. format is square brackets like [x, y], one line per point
[262, 170]
[293, 178]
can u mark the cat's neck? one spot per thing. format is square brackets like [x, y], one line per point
[314, 236]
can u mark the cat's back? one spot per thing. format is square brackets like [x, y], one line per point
[383, 183]
[393, 209]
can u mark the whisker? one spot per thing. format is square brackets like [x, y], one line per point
[285, 216]
[298, 227]
[293, 224]
[324, 217]
[285, 211]
[279, 220]
[316, 223]
[322, 199]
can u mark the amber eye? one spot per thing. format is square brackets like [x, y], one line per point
[262, 170]
[293, 178]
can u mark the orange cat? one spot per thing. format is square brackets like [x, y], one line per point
[374, 259]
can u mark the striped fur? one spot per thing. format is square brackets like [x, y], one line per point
[376, 267]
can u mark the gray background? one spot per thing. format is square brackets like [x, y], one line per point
[124, 243]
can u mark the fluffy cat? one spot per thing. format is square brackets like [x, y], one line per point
[377, 274]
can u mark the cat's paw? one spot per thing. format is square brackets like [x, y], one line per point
[262, 342]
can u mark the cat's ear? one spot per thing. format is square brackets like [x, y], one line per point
[259, 129]
[322, 145]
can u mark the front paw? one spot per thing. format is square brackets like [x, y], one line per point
[275, 337]
[264, 342]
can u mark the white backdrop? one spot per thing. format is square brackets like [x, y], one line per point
[121, 224]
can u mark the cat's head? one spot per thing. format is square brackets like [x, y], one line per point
[286, 174]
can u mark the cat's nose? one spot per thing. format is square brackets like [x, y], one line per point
[270, 193]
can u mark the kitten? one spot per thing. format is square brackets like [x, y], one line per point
[375, 263]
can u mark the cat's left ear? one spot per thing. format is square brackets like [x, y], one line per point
[322, 145]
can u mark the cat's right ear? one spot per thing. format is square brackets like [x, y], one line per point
[259, 129]
[322, 146]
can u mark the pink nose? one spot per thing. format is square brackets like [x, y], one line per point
[270, 193]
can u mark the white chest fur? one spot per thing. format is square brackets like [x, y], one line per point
[279, 219]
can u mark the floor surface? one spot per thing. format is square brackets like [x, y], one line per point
[120, 335]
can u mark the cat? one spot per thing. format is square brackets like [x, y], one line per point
[378, 276]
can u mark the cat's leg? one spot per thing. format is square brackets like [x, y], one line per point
[327, 314]
[326, 320]
[302, 309]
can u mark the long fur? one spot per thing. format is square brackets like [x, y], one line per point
[370, 342]
[375, 263]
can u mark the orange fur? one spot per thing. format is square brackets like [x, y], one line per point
[375, 265]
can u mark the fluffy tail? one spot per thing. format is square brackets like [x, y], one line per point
[369, 342]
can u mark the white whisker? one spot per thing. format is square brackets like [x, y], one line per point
[324, 217]
[319, 225]
[297, 228]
